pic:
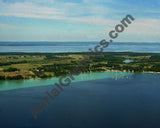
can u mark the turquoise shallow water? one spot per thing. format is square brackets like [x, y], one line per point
[9, 85]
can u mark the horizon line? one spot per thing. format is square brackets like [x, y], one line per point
[86, 41]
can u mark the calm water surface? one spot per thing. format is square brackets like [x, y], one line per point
[56, 47]
[127, 101]
[96, 100]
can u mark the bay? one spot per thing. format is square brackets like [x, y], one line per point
[126, 102]
[61, 47]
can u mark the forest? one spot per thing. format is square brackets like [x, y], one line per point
[18, 66]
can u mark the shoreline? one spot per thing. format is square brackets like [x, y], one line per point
[23, 66]
[133, 72]
[118, 71]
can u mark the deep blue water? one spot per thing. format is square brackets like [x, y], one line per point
[128, 102]
[54, 47]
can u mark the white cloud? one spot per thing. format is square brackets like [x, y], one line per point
[88, 12]
[145, 27]
[27, 8]
[141, 30]
[64, 11]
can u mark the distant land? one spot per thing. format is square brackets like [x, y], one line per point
[77, 46]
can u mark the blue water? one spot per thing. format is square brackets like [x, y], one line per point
[124, 101]
[127, 102]
[56, 47]
[128, 61]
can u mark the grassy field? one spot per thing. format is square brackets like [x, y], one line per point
[15, 66]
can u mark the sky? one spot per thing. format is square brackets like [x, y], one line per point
[78, 20]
